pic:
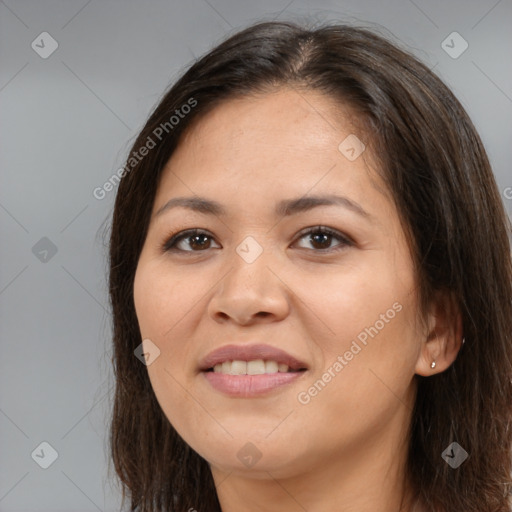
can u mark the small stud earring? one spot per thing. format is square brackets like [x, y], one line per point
[463, 340]
[433, 364]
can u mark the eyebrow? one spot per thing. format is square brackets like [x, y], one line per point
[284, 208]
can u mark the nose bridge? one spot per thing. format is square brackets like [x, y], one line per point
[250, 250]
[250, 288]
[249, 263]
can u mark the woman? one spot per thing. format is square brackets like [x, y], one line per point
[310, 259]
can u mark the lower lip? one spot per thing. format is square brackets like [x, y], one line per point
[250, 385]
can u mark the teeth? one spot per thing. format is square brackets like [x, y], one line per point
[272, 367]
[238, 368]
[255, 367]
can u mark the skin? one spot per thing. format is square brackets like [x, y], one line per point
[345, 449]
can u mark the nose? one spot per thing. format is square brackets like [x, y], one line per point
[250, 292]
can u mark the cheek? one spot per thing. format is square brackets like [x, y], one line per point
[369, 314]
[162, 299]
[356, 303]
[367, 374]
[162, 302]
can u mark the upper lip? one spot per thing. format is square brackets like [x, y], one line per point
[249, 353]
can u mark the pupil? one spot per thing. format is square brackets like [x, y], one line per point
[196, 237]
[324, 235]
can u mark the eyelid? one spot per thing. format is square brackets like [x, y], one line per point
[169, 244]
[328, 231]
[178, 236]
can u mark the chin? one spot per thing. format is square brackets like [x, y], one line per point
[255, 460]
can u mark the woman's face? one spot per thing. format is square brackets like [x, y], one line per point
[343, 304]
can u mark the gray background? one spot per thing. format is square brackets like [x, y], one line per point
[67, 122]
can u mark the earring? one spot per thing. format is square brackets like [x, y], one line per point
[433, 364]
[463, 340]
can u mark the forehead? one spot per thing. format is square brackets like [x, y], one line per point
[303, 118]
[282, 143]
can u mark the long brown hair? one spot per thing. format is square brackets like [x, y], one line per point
[437, 170]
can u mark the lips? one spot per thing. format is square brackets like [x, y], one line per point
[250, 353]
[251, 370]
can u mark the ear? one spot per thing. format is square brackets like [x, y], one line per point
[444, 337]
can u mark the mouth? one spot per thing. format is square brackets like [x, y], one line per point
[249, 371]
[253, 367]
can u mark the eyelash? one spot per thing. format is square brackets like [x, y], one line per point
[169, 245]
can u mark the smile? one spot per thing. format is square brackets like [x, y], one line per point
[254, 367]
[250, 370]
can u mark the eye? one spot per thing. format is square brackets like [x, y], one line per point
[196, 237]
[320, 236]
